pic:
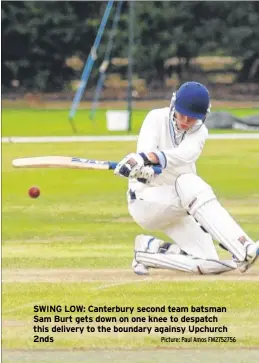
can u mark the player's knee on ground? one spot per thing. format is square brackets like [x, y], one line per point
[184, 263]
[193, 192]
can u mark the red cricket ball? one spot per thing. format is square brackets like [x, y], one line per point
[34, 192]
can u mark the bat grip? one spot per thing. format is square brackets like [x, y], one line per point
[157, 169]
[113, 164]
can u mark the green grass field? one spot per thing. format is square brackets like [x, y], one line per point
[24, 122]
[74, 246]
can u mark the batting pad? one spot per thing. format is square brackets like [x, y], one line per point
[223, 228]
[184, 263]
[199, 200]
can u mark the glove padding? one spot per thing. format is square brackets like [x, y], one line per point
[145, 174]
[129, 166]
[134, 166]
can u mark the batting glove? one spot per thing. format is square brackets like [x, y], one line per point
[145, 174]
[129, 165]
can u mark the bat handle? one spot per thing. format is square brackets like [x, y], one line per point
[157, 169]
[113, 164]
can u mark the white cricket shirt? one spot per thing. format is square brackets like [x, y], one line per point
[181, 149]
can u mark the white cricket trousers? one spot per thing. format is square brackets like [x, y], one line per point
[159, 208]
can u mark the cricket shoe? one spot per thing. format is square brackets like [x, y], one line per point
[252, 255]
[147, 244]
[139, 268]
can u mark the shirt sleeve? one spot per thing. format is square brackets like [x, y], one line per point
[186, 153]
[148, 135]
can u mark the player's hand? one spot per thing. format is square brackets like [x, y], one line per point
[130, 165]
[138, 166]
[150, 158]
[145, 174]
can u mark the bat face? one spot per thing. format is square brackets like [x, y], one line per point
[68, 162]
[61, 162]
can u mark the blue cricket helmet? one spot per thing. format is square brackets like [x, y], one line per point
[192, 99]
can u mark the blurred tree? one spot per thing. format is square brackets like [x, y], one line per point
[169, 29]
[15, 39]
[36, 40]
[241, 38]
[153, 40]
[38, 37]
[191, 28]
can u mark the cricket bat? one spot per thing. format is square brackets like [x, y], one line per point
[68, 162]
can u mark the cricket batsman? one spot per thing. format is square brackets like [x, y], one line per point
[178, 202]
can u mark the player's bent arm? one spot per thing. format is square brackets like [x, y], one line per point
[131, 166]
[186, 153]
[148, 135]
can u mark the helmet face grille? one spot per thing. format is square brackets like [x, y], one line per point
[174, 122]
[193, 100]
